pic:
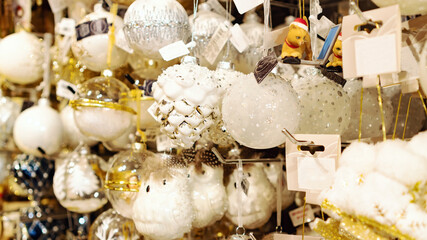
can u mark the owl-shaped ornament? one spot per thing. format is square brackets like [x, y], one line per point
[163, 209]
[207, 190]
[258, 197]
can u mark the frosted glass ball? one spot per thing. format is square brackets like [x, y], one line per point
[38, 130]
[255, 114]
[153, 24]
[92, 51]
[21, 58]
[416, 118]
[371, 115]
[411, 7]
[72, 135]
[111, 225]
[325, 106]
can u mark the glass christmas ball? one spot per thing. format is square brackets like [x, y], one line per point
[411, 7]
[21, 59]
[124, 177]
[34, 174]
[78, 181]
[141, 104]
[38, 130]
[255, 114]
[9, 111]
[371, 114]
[254, 30]
[148, 68]
[153, 24]
[325, 106]
[99, 114]
[111, 225]
[73, 136]
[185, 95]
[92, 51]
[122, 143]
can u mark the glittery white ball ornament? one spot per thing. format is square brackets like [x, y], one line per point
[153, 24]
[257, 206]
[186, 96]
[371, 114]
[72, 134]
[325, 106]
[92, 51]
[411, 7]
[38, 130]
[162, 209]
[255, 114]
[99, 113]
[21, 58]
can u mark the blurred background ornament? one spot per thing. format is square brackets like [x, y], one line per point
[38, 130]
[141, 103]
[98, 112]
[92, 50]
[122, 143]
[77, 9]
[153, 24]
[78, 181]
[21, 58]
[186, 96]
[411, 7]
[73, 137]
[255, 114]
[42, 223]
[111, 225]
[9, 111]
[325, 106]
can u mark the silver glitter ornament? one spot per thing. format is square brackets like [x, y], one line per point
[153, 24]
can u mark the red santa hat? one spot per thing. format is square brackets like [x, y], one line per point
[340, 37]
[300, 23]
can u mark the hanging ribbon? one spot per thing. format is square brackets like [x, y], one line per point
[407, 115]
[112, 37]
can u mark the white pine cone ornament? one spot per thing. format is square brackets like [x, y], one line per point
[186, 96]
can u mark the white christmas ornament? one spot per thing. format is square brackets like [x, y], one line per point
[186, 96]
[92, 51]
[145, 119]
[9, 111]
[257, 206]
[72, 134]
[38, 130]
[162, 209]
[21, 58]
[153, 24]
[411, 7]
[124, 142]
[325, 107]
[111, 225]
[371, 114]
[255, 114]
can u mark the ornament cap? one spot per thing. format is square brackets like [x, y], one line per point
[190, 59]
[205, 7]
[43, 102]
[225, 65]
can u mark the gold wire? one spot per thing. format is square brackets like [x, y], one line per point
[380, 103]
[361, 114]
[303, 217]
[300, 14]
[397, 116]
[407, 115]
[303, 9]
[138, 116]
[422, 101]
[323, 216]
[112, 37]
[99, 104]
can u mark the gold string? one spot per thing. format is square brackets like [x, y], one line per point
[407, 115]
[303, 217]
[303, 9]
[361, 114]
[422, 100]
[380, 103]
[397, 116]
[112, 37]
[323, 216]
[300, 14]
[138, 116]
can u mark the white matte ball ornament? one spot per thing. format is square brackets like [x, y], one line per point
[38, 130]
[21, 58]
[255, 114]
[407, 7]
[325, 106]
[153, 24]
[92, 51]
[72, 134]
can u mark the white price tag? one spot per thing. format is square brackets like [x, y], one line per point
[152, 110]
[122, 43]
[246, 5]
[218, 8]
[174, 50]
[163, 143]
[65, 89]
[297, 215]
[238, 38]
[216, 43]
[376, 55]
[58, 5]
[275, 38]
[66, 27]
[315, 173]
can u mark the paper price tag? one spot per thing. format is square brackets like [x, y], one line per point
[218, 8]
[238, 38]
[275, 38]
[246, 5]
[58, 5]
[152, 110]
[65, 89]
[216, 43]
[163, 143]
[174, 50]
[315, 173]
[66, 27]
[297, 215]
[121, 41]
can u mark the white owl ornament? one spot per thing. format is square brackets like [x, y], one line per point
[162, 209]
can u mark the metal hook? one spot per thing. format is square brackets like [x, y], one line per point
[235, 161]
[302, 144]
[367, 24]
